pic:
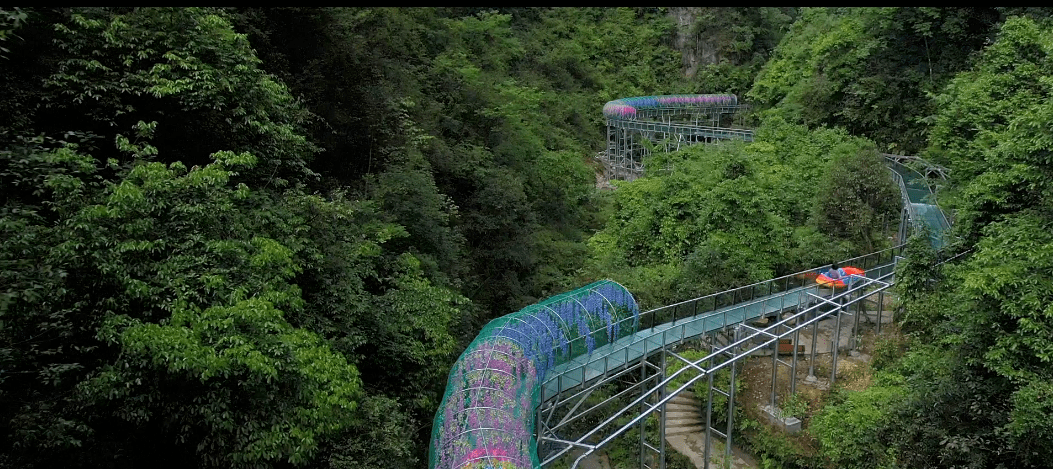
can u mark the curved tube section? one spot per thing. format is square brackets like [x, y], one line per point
[486, 417]
[630, 108]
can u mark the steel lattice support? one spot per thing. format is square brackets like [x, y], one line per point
[669, 121]
[651, 387]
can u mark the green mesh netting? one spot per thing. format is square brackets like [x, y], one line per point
[486, 417]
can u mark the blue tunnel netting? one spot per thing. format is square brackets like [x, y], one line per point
[486, 416]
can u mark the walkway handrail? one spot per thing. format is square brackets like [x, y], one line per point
[772, 337]
[802, 278]
[940, 224]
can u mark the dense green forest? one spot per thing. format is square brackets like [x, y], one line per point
[259, 237]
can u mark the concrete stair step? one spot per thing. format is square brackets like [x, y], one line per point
[677, 416]
[685, 422]
[684, 397]
[682, 418]
[684, 429]
[680, 402]
[671, 407]
[685, 406]
[669, 431]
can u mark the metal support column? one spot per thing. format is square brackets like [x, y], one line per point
[709, 410]
[880, 307]
[643, 408]
[793, 368]
[811, 358]
[835, 346]
[774, 370]
[731, 400]
[661, 421]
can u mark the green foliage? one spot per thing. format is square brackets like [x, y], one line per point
[411, 197]
[381, 438]
[10, 21]
[185, 275]
[195, 317]
[675, 460]
[773, 448]
[211, 332]
[869, 69]
[846, 427]
[795, 406]
[858, 200]
[988, 129]
[734, 42]
[918, 272]
[993, 306]
[977, 393]
[173, 295]
[1030, 430]
[190, 283]
[455, 132]
[618, 51]
[731, 214]
[187, 69]
[917, 280]
[949, 413]
[221, 327]
[889, 347]
[1009, 283]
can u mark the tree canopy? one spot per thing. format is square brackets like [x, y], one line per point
[258, 237]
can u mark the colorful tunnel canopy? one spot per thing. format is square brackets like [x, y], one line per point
[486, 416]
[629, 108]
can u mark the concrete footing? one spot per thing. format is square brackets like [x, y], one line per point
[787, 424]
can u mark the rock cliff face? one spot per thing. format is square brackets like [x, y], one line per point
[695, 47]
[739, 36]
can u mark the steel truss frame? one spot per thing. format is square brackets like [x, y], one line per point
[623, 157]
[652, 383]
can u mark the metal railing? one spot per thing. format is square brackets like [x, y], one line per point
[715, 301]
[804, 318]
[714, 311]
[718, 133]
[723, 309]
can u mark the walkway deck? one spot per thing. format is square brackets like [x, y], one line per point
[612, 357]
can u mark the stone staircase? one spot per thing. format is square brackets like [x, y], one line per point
[684, 415]
[685, 426]
[685, 433]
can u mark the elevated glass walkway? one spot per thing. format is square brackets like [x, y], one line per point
[561, 346]
[674, 324]
[919, 203]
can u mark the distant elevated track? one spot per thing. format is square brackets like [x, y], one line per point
[635, 125]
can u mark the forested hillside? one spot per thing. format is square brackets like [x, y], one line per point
[258, 237]
[254, 237]
[714, 217]
[969, 384]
